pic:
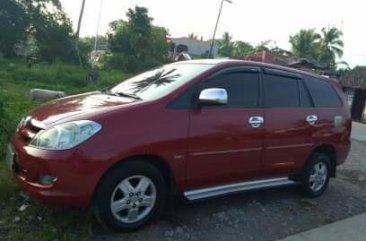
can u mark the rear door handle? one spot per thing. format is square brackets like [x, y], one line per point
[256, 121]
[312, 119]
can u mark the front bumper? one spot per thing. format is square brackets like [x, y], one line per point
[75, 178]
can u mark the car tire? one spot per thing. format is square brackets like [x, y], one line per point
[315, 177]
[129, 196]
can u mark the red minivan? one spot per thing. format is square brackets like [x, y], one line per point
[197, 129]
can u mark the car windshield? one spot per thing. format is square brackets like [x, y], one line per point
[159, 82]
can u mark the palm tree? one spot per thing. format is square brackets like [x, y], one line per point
[305, 44]
[264, 45]
[226, 46]
[242, 48]
[331, 46]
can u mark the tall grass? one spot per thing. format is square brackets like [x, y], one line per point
[16, 80]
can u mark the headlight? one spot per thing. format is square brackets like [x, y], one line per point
[23, 122]
[65, 136]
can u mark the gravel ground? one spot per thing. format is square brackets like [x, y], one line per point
[262, 215]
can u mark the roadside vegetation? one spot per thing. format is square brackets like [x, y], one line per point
[38, 222]
[38, 49]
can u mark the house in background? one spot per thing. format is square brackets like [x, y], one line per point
[354, 85]
[194, 47]
[353, 82]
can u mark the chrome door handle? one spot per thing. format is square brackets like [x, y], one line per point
[256, 121]
[312, 119]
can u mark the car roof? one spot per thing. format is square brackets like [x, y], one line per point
[235, 62]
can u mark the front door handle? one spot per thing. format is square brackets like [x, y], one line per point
[312, 119]
[256, 121]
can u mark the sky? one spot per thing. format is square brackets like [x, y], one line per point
[247, 20]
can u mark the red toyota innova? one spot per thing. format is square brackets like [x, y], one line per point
[197, 129]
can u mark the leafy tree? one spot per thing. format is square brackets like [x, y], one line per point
[305, 44]
[331, 46]
[159, 45]
[27, 49]
[52, 30]
[226, 46]
[14, 22]
[136, 44]
[242, 48]
[36, 27]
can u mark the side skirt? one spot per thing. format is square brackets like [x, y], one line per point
[236, 187]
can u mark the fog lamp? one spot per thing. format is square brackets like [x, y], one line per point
[47, 180]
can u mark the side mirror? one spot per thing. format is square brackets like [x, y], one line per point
[215, 96]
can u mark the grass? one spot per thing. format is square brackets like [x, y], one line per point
[39, 222]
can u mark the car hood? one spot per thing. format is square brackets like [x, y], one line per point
[77, 107]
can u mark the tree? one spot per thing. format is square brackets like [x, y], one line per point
[305, 44]
[52, 30]
[325, 47]
[43, 22]
[192, 36]
[14, 22]
[159, 45]
[226, 46]
[136, 44]
[86, 46]
[331, 46]
[264, 46]
[242, 48]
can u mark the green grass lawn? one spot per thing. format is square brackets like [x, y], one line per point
[38, 222]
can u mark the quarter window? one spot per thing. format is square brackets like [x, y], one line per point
[322, 92]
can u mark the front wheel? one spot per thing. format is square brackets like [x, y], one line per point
[315, 176]
[129, 196]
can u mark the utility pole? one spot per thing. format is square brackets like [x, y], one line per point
[77, 34]
[99, 16]
[94, 71]
[217, 23]
[80, 19]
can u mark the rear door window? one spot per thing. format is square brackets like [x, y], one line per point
[323, 93]
[280, 91]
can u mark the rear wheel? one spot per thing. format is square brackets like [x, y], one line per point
[315, 176]
[129, 196]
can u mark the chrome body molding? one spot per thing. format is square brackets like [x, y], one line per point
[236, 187]
[290, 146]
[226, 152]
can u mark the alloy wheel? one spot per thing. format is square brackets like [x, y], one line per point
[133, 199]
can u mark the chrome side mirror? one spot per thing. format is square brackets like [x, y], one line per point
[216, 96]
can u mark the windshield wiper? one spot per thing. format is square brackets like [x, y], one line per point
[130, 95]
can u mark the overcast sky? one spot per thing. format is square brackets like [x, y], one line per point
[248, 20]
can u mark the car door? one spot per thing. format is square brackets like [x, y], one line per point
[223, 146]
[289, 118]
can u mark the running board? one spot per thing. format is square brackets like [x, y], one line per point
[236, 187]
